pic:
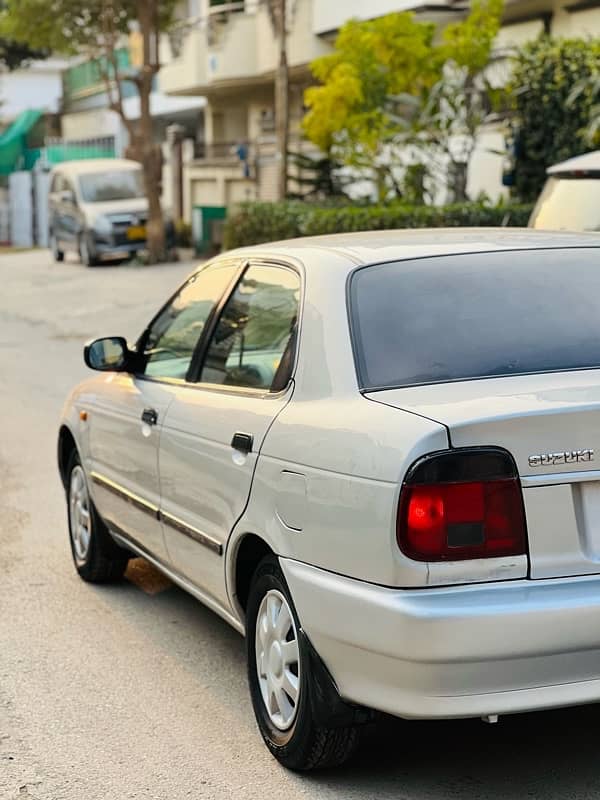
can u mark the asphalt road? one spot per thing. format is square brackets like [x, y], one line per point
[137, 691]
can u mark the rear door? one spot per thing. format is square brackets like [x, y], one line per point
[214, 430]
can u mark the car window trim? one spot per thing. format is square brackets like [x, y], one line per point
[197, 362]
[249, 391]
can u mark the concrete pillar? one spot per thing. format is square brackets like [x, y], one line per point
[175, 136]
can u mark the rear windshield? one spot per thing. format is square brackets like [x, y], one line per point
[437, 320]
[568, 204]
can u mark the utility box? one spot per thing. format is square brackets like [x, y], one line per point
[207, 228]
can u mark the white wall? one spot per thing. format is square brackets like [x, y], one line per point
[90, 124]
[580, 23]
[328, 15]
[38, 86]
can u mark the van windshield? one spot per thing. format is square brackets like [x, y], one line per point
[103, 187]
[568, 204]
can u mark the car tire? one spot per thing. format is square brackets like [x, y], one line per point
[97, 557]
[297, 732]
[85, 251]
[57, 255]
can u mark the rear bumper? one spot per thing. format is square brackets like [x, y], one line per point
[454, 652]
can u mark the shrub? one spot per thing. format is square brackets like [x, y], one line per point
[183, 234]
[553, 118]
[254, 223]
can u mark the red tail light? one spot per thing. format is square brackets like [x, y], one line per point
[462, 504]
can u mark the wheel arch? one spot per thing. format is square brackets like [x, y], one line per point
[247, 552]
[66, 446]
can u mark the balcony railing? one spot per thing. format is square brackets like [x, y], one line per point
[236, 151]
[213, 22]
[87, 77]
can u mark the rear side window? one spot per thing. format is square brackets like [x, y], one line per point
[475, 316]
[253, 344]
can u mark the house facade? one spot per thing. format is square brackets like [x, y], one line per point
[227, 53]
[87, 116]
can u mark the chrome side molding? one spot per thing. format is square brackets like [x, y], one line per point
[193, 533]
[124, 494]
[154, 511]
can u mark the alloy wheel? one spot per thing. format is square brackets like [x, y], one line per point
[278, 659]
[79, 514]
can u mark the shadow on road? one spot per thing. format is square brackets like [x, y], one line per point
[546, 755]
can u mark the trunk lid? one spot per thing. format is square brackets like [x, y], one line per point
[551, 425]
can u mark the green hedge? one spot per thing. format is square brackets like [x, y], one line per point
[254, 223]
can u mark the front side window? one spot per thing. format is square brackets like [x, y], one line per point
[253, 343]
[106, 187]
[169, 345]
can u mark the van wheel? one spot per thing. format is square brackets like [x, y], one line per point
[286, 698]
[98, 558]
[57, 255]
[85, 251]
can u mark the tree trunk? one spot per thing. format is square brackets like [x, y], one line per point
[458, 174]
[282, 102]
[149, 153]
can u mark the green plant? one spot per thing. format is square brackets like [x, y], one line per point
[253, 223]
[554, 95]
[183, 234]
[315, 177]
[391, 94]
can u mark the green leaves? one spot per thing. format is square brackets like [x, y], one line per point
[390, 88]
[254, 223]
[556, 99]
[69, 26]
[372, 61]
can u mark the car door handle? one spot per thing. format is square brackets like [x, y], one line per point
[150, 416]
[242, 442]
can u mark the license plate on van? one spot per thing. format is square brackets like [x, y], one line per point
[136, 232]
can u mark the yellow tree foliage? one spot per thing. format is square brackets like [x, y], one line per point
[386, 56]
[391, 78]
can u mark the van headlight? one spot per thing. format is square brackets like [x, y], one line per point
[103, 226]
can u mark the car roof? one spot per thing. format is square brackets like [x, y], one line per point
[94, 165]
[589, 162]
[372, 247]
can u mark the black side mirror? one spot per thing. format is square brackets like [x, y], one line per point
[107, 355]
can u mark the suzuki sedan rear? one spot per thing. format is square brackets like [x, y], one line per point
[375, 455]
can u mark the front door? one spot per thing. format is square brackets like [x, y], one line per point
[214, 431]
[129, 411]
[124, 428]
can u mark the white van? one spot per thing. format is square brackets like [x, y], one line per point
[99, 210]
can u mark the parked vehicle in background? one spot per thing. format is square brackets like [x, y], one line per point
[571, 197]
[98, 209]
[373, 455]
